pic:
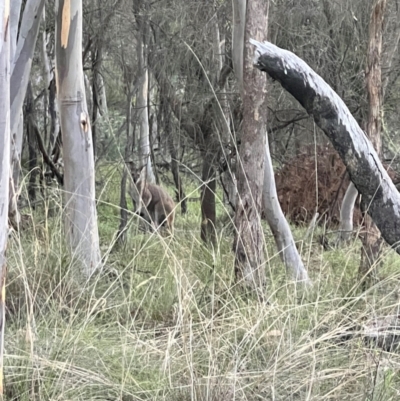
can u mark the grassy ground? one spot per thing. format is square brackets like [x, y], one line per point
[168, 323]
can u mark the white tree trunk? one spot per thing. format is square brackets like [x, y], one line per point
[21, 64]
[20, 71]
[48, 76]
[346, 213]
[279, 225]
[80, 207]
[14, 20]
[4, 162]
[143, 114]
[239, 23]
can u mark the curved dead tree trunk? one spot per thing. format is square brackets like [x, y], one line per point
[80, 205]
[379, 195]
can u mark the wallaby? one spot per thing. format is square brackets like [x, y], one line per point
[153, 203]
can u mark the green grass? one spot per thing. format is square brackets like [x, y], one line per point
[166, 321]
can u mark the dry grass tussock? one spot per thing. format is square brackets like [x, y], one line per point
[167, 322]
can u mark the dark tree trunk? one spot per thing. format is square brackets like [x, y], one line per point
[379, 194]
[96, 64]
[208, 213]
[54, 126]
[29, 118]
[371, 238]
[181, 197]
[121, 236]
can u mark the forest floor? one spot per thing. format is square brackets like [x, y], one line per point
[166, 321]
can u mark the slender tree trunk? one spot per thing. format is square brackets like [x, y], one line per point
[97, 56]
[29, 118]
[5, 140]
[79, 178]
[175, 172]
[122, 230]
[208, 212]
[20, 71]
[371, 238]
[54, 120]
[50, 92]
[144, 142]
[249, 238]
[280, 227]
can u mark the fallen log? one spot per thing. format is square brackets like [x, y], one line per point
[379, 195]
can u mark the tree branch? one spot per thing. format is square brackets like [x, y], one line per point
[46, 158]
[379, 195]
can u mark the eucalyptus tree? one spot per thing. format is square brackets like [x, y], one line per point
[5, 141]
[80, 218]
[143, 91]
[371, 238]
[248, 244]
[20, 71]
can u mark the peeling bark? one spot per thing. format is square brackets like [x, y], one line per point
[330, 113]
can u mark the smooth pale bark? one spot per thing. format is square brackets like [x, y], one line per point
[346, 213]
[279, 226]
[143, 114]
[238, 32]
[379, 195]
[20, 71]
[248, 244]
[4, 162]
[21, 65]
[80, 207]
[49, 80]
[14, 19]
